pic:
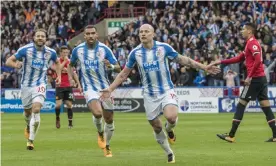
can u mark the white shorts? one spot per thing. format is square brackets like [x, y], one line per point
[30, 95]
[154, 106]
[90, 95]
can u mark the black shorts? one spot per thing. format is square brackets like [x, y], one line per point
[256, 90]
[64, 94]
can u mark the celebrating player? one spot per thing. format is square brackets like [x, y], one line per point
[159, 96]
[64, 92]
[36, 60]
[255, 83]
[93, 58]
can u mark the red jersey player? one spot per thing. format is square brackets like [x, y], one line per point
[255, 83]
[64, 92]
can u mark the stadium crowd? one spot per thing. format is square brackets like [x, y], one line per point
[205, 31]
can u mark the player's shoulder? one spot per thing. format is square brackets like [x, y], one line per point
[100, 44]
[137, 49]
[27, 46]
[158, 43]
[253, 41]
[50, 49]
[162, 44]
[103, 46]
[80, 46]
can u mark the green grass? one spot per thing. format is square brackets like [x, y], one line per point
[133, 143]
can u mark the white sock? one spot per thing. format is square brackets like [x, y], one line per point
[34, 125]
[108, 131]
[98, 124]
[161, 138]
[27, 119]
[170, 126]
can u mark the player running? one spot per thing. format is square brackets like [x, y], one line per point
[158, 90]
[255, 83]
[64, 92]
[36, 59]
[93, 59]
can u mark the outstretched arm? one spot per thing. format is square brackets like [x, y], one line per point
[186, 61]
[236, 59]
[121, 77]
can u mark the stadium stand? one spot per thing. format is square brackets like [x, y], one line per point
[205, 31]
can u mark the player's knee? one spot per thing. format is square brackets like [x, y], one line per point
[243, 101]
[69, 105]
[27, 112]
[36, 108]
[172, 119]
[97, 115]
[156, 127]
[264, 103]
[108, 120]
[58, 106]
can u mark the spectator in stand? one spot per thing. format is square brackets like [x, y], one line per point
[183, 77]
[7, 80]
[135, 78]
[194, 28]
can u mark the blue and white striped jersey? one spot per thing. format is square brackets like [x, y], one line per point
[90, 65]
[35, 64]
[153, 67]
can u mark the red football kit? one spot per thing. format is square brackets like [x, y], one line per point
[252, 55]
[64, 75]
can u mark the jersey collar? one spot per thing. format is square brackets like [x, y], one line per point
[154, 45]
[251, 38]
[96, 45]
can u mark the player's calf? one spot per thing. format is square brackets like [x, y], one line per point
[270, 120]
[169, 128]
[70, 117]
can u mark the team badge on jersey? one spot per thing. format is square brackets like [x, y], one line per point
[255, 47]
[47, 55]
[159, 52]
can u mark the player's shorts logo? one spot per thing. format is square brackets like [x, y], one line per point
[184, 105]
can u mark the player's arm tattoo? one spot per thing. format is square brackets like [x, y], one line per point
[186, 61]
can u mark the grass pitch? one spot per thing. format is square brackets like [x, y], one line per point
[133, 143]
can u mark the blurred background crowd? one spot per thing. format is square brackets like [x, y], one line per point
[204, 31]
